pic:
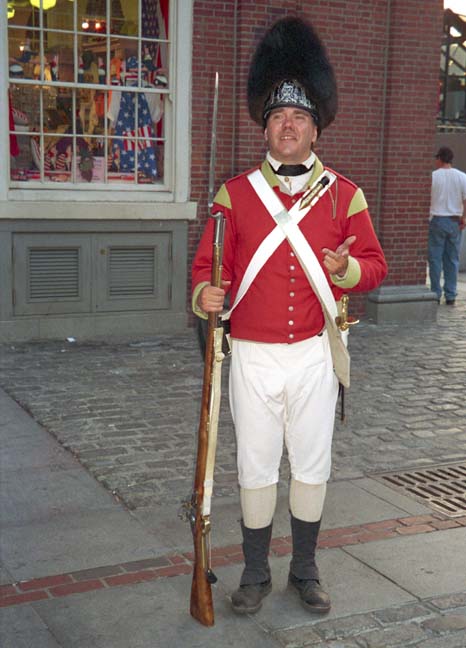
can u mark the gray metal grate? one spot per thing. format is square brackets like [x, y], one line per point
[441, 487]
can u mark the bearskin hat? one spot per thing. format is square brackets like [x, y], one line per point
[290, 67]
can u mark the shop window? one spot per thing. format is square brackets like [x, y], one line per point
[452, 79]
[89, 93]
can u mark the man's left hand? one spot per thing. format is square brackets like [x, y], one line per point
[337, 262]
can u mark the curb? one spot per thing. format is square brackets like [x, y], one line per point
[139, 571]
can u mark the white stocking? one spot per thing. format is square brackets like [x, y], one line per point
[307, 500]
[258, 506]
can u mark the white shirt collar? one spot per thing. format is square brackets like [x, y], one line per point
[293, 184]
[275, 164]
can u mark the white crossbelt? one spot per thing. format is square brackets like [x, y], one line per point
[287, 227]
[276, 236]
[296, 239]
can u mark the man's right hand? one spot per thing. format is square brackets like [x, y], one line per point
[211, 299]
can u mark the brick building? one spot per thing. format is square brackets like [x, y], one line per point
[119, 225]
[386, 57]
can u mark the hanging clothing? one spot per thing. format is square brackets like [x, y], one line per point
[14, 148]
[122, 113]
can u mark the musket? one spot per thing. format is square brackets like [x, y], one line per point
[197, 509]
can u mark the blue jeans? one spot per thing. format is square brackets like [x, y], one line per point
[444, 252]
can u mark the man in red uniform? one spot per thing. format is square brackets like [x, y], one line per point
[283, 388]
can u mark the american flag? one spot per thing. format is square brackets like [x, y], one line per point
[56, 161]
[142, 143]
[154, 21]
[50, 160]
[149, 19]
[124, 149]
[62, 162]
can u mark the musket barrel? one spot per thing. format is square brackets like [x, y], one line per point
[201, 606]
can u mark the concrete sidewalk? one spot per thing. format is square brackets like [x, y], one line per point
[97, 453]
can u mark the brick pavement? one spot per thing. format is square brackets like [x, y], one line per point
[129, 410]
[177, 564]
[435, 622]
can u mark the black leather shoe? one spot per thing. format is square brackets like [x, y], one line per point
[312, 595]
[450, 302]
[247, 599]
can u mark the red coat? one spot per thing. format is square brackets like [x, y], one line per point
[280, 305]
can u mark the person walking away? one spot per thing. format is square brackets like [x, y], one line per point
[447, 220]
[283, 387]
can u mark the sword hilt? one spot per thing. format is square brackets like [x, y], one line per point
[344, 321]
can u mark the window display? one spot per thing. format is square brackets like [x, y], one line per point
[89, 89]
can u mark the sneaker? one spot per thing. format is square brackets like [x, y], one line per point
[450, 302]
[312, 595]
[247, 599]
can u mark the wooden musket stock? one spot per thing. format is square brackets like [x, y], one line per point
[201, 606]
[197, 510]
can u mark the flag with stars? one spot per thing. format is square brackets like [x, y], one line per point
[134, 141]
[149, 18]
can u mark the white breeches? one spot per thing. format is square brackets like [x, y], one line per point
[283, 393]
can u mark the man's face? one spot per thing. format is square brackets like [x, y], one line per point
[289, 133]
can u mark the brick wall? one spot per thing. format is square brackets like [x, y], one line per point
[386, 57]
[412, 96]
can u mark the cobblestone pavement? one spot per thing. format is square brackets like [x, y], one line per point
[418, 624]
[129, 410]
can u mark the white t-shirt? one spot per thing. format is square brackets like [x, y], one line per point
[448, 192]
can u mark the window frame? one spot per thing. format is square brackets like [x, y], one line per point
[178, 154]
[448, 61]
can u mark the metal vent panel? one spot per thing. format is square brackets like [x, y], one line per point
[53, 274]
[131, 271]
[442, 487]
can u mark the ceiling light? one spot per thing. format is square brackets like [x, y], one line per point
[45, 4]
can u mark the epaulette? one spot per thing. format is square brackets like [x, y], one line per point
[358, 201]
[222, 197]
[342, 177]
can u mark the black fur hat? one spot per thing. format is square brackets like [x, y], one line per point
[290, 68]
